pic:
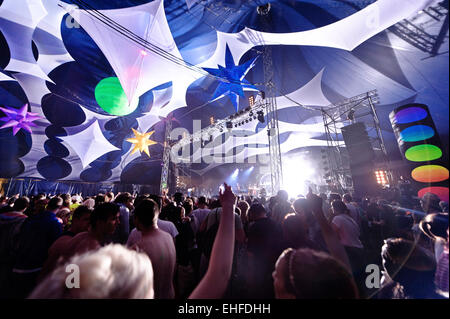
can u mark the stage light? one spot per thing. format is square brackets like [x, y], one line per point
[251, 100]
[381, 177]
[229, 124]
[295, 177]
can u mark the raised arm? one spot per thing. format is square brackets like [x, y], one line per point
[330, 237]
[215, 281]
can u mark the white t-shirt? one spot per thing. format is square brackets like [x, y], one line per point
[348, 230]
[164, 225]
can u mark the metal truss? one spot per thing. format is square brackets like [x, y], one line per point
[361, 108]
[164, 184]
[416, 35]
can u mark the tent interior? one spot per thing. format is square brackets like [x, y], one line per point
[89, 88]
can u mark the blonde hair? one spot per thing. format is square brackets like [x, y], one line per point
[113, 271]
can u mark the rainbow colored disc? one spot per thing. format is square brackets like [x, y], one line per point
[430, 174]
[441, 192]
[416, 133]
[423, 153]
[409, 115]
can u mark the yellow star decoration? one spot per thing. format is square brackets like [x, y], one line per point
[141, 141]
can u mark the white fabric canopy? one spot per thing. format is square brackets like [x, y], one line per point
[51, 54]
[22, 17]
[4, 77]
[139, 69]
[89, 144]
[345, 34]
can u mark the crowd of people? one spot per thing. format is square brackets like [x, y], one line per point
[164, 247]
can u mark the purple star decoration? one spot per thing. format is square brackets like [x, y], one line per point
[19, 118]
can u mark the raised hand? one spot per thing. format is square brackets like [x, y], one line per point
[227, 196]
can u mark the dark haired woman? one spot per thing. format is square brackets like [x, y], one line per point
[309, 274]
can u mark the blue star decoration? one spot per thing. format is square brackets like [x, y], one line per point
[234, 83]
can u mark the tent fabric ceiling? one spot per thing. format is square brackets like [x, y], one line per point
[323, 52]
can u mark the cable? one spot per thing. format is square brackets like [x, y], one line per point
[142, 42]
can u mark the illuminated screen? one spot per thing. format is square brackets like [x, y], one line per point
[430, 174]
[416, 133]
[423, 153]
[409, 115]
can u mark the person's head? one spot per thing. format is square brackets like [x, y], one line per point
[99, 199]
[430, 203]
[12, 200]
[81, 219]
[146, 214]
[109, 197]
[347, 198]
[54, 204]
[111, 272]
[410, 265]
[21, 204]
[256, 211]
[158, 199]
[444, 206]
[178, 197]
[67, 200]
[301, 206]
[334, 196]
[244, 207]
[215, 204]
[124, 199]
[339, 207]
[295, 230]
[105, 218]
[308, 274]
[188, 206]
[202, 202]
[282, 196]
[140, 198]
[280, 210]
[76, 199]
[435, 225]
[40, 206]
[90, 202]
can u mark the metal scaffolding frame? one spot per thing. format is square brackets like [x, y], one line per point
[415, 34]
[164, 184]
[273, 132]
[361, 108]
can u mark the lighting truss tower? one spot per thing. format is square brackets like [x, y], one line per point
[164, 185]
[358, 108]
[414, 32]
[271, 110]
